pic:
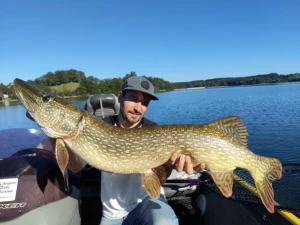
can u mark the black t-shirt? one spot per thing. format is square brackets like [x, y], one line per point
[114, 120]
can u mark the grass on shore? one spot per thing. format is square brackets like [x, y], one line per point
[65, 87]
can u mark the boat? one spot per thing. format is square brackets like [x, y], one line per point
[32, 188]
[33, 191]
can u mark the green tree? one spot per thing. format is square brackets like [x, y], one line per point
[131, 74]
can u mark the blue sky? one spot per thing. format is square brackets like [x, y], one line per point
[177, 40]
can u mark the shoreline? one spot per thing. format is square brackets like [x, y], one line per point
[65, 97]
[179, 89]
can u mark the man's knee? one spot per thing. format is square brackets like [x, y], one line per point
[152, 211]
[164, 217]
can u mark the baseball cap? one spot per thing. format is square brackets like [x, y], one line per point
[139, 84]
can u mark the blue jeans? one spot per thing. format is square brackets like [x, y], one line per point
[148, 212]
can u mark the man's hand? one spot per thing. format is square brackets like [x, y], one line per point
[184, 163]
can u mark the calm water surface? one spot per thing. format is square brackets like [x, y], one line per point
[271, 114]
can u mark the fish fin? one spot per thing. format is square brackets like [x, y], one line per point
[263, 182]
[233, 126]
[151, 184]
[224, 181]
[62, 155]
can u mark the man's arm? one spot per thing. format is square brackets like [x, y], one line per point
[75, 163]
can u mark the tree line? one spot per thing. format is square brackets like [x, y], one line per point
[89, 85]
[238, 81]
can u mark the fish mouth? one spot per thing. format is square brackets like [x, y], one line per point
[30, 115]
[28, 96]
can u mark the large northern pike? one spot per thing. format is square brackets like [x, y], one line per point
[221, 144]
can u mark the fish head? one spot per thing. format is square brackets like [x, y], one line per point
[52, 113]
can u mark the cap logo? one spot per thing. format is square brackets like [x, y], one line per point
[145, 85]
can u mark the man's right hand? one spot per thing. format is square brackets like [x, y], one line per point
[184, 163]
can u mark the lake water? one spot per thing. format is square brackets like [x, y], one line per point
[271, 114]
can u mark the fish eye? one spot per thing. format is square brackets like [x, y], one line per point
[46, 98]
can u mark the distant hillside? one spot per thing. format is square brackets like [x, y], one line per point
[238, 81]
[72, 82]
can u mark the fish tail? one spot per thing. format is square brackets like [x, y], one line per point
[263, 175]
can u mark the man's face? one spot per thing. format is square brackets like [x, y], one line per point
[133, 107]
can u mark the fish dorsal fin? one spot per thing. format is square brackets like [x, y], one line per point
[233, 126]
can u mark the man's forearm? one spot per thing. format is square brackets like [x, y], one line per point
[75, 163]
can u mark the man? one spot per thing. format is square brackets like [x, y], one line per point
[123, 197]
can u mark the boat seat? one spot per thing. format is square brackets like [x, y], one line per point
[103, 105]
